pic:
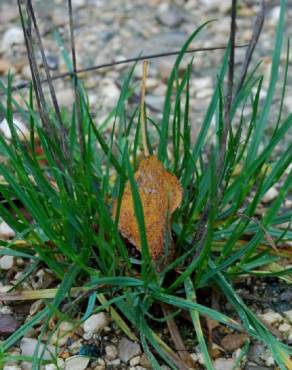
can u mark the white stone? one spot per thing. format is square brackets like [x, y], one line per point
[20, 128]
[95, 323]
[76, 363]
[88, 335]
[78, 3]
[111, 352]
[5, 231]
[285, 327]
[194, 357]
[269, 361]
[288, 315]
[224, 364]
[110, 91]
[270, 195]
[6, 262]
[135, 361]
[201, 359]
[274, 15]
[13, 35]
[271, 317]
[11, 367]
[28, 346]
[202, 82]
[63, 332]
[222, 5]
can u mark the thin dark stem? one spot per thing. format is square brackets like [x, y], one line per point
[41, 102]
[126, 61]
[49, 80]
[257, 28]
[202, 229]
[75, 80]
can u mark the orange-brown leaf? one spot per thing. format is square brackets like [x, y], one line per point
[161, 195]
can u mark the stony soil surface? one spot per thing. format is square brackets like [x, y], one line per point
[108, 31]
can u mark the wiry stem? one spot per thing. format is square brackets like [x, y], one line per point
[258, 26]
[75, 79]
[143, 113]
[125, 61]
[48, 75]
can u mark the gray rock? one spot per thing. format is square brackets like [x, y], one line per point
[13, 36]
[155, 102]
[255, 352]
[53, 61]
[29, 345]
[128, 349]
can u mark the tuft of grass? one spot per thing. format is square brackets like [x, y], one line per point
[72, 231]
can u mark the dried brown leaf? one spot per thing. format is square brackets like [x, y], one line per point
[161, 195]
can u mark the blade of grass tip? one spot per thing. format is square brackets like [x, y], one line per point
[211, 109]
[191, 296]
[283, 93]
[162, 147]
[272, 86]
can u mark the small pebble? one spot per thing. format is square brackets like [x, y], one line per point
[270, 195]
[95, 323]
[135, 361]
[28, 346]
[271, 317]
[284, 327]
[62, 333]
[76, 363]
[5, 230]
[111, 352]
[6, 262]
[288, 315]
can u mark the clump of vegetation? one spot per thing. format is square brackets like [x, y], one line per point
[69, 193]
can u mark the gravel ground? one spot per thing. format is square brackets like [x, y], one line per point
[108, 31]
